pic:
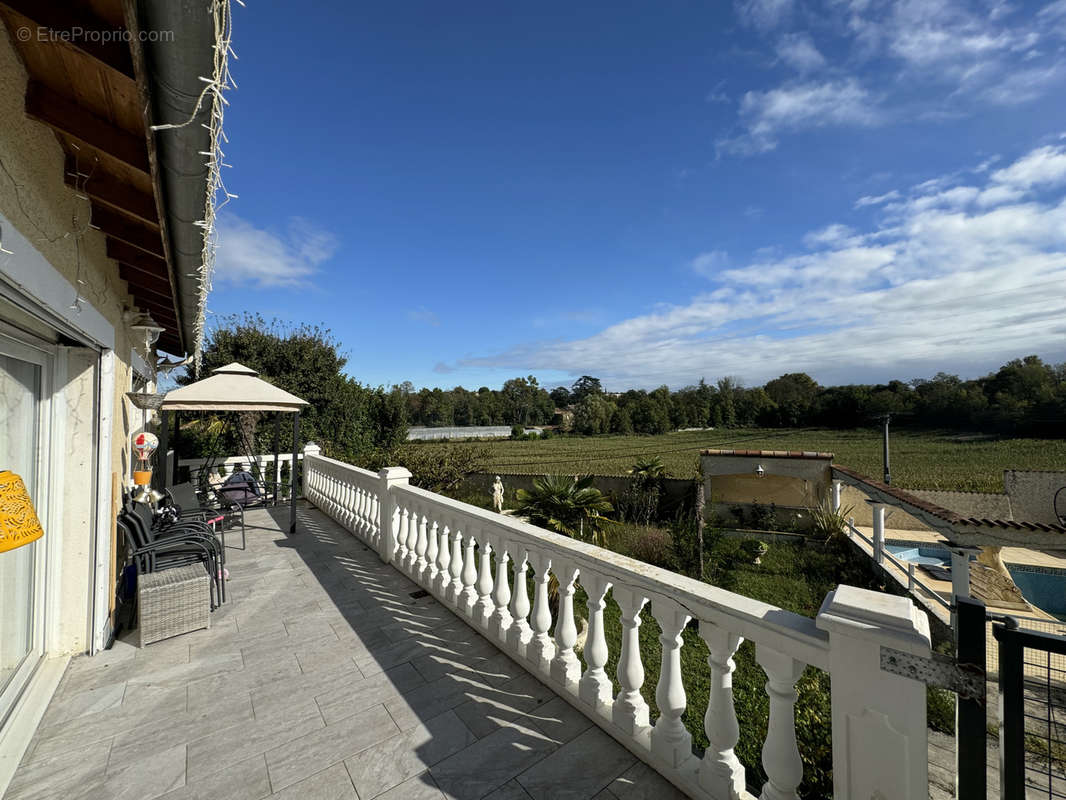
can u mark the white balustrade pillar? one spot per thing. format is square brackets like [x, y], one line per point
[541, 649]
[420, 545]
[390, 478]
[595, 687]
[413, 524]
[399, 558]
[483, 608]
[630, 711]
[468, 598]
[519, 634]
[670, 740]
[428, 573]
[880, 740]
[837, 487]
[444, 559]
[565, 667]
[780, 753]
[500, 621]
[720, 771]
[960, 569]
[455, 566]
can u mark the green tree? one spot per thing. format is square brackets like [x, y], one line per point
[346, 418]
[583, 387]
[592, 415]
[794, 395]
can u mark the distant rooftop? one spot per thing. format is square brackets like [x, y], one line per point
[769, 453]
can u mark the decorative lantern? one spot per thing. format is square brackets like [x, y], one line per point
[18, 519]
[144, 444]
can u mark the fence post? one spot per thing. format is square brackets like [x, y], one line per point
[878, 542]
[390, 517]
[310, 449]
[880, 742]
[971, 716]
[837, 485]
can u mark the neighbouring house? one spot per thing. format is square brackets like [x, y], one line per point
[103, 220]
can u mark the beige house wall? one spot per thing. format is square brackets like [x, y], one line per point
[36, 201]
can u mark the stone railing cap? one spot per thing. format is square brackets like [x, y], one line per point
[876, 616]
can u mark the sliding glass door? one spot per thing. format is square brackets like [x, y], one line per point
[24, 398]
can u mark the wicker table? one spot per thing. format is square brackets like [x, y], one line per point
[173, 602]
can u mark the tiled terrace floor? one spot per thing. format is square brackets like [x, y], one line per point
[323, 677]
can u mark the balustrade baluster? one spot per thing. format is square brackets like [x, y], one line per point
[500, 621]
[359, 514]
[444, 558]
[400, 555]
[565, 667]
[412, 539]
[630, 711]
[780, 753]
[428, 573]
[376, 523]
[455, 566]
[595, 687]
[420, 544]
[483, 608]
[669, 738]
[541, 648]
[468, 597]
[519, 634]
[720, 771]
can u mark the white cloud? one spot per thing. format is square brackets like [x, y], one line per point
[943, 280]
[798, 51]
[764, 14]
[710, 263]
[799, 106]
[876, 200]
[258, 258]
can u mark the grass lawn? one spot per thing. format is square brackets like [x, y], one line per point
[926, 460]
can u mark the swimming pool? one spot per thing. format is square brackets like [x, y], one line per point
[1042, 587]
[926, 556]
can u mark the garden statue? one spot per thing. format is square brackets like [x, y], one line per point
[497, 495]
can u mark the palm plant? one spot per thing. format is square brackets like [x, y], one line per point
[647, 469]
[568, 505]
[827, 522]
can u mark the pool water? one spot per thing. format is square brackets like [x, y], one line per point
[1042, 589]
[926, 556]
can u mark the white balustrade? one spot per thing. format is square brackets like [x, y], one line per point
[669, 739]
[565, 667]
[595, 687]
[500, 621]
[478, 564]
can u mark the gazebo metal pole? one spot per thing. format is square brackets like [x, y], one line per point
[292, 472]
[159, 475]
[174, 444]
[277, 457]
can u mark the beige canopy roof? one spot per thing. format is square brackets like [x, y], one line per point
[233, 387]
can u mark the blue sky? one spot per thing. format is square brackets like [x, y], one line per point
[651, 192]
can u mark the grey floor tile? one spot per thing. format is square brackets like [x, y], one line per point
[246, 780]
[405, 755]
[343, 701]
[138, 743]
[491, 762]
[91, 701]
[420, 787]
[331, 783]
[50, 777]
[314, 751]
[217, 751]
[641, 782]
[578, 769]
[512, 790]
[559, 720]
[146, 779]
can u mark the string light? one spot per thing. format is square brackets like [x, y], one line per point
[216, 194]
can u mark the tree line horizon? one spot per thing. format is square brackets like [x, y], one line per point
[1024, 396]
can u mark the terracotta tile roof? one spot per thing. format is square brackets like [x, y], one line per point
[943, 513]
[769, 453]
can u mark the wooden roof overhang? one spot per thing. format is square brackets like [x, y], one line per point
[93, 92]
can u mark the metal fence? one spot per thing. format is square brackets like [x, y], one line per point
[1032, 686]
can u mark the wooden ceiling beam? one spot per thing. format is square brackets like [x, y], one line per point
[160, 312]
[147, 280]
[110, 190]
[65, 116]
[119, 226]
[120, 251]
[62, 21]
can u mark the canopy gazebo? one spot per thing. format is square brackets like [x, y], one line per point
[236, 387]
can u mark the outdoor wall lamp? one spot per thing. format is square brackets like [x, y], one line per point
[759, 471]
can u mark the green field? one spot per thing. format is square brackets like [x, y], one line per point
[927, 460]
